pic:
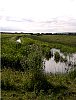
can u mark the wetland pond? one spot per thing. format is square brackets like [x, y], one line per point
[59, 62]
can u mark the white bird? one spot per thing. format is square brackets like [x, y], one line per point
[18, 40]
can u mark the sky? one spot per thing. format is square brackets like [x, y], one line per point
[38, 15]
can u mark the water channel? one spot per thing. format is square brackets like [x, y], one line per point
[66, 62]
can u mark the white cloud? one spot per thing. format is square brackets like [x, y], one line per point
[38, 15]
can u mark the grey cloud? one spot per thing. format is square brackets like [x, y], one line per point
[18, 20]
[60, 22]
[0, 17]
[9, 29]
[29, 20]
[15, 19]
[72, 22]
[53, 20]
[53, 25]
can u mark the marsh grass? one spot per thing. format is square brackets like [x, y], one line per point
[62, 42]
[33, 85]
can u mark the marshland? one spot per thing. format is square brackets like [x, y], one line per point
[38, 67]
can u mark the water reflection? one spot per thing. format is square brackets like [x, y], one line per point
[64, 63]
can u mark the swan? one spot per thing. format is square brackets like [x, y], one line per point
[18, 40]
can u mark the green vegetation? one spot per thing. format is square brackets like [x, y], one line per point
[61, 39]
[57, 56]
[22, 73]
[65, 43]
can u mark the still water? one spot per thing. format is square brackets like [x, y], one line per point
[51, 66]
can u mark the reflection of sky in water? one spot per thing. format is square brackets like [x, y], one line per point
[60, 67]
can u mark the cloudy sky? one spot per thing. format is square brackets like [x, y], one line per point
[38, 15]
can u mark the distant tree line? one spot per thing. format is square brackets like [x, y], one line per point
[38, 34]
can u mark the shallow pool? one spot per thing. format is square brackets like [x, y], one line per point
[52, 66]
